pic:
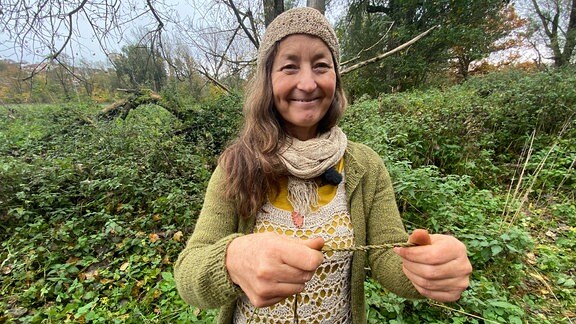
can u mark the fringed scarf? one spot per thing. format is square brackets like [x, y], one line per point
[306, 160]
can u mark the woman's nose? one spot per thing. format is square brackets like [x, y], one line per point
[306, 80]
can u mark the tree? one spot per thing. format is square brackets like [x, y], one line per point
[141, 67]
[555, 22]
[272, 8]
[467, 31]
[318, 4]
[183, 76]
[477, 30]
[222, 38]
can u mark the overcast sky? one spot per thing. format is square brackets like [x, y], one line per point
[86, 45]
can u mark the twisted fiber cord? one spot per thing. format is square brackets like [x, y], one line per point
[367, 247]
[347, 249]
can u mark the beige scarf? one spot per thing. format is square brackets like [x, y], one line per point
[306, 160]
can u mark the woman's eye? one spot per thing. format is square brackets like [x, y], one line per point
[322, 67]
[289, 67]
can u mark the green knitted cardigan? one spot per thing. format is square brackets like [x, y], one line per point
[200, 272]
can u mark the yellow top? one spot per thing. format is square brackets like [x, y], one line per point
[326, 192]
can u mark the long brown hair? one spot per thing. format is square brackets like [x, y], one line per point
[251, 163]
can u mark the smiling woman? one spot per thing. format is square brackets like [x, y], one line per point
[277, 238]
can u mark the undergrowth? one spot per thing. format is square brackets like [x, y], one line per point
[93, 213]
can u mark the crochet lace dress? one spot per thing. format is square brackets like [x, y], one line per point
[326, 297]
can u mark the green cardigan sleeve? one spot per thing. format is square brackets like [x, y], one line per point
[200, 271]
[383, 224]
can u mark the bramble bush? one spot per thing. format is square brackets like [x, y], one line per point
[480, 128]
[93, 213]
[491, 162]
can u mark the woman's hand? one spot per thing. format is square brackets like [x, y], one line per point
[269, 267]
[438, 267]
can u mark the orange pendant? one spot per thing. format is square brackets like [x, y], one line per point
[297, 219]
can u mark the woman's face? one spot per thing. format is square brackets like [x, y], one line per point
[303, 83]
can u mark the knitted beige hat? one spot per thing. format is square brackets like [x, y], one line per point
[304, 20]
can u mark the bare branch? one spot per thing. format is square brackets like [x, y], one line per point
[67, 39]
[230, 41]
[213, 80]
[384, 55]
[369, 48]
[240, 20]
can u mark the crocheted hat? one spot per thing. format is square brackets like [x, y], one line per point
[304, 20]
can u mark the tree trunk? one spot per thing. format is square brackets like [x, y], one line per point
[137, 98]
[570, 44]
[550, 22]
[272, 8]
[317, 4]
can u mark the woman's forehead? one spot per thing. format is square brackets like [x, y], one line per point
[300, 43]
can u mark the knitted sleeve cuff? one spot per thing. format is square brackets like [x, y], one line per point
[201, 276]
[221, 284]
[393, 278]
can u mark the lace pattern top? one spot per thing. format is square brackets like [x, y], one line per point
[326, 297]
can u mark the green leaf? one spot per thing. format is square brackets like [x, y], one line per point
[496, 249]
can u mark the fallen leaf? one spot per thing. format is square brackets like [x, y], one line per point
[177, 236]
[531, 258]
[7, 269]
[72, 260]
[156, 217]
[153, 237]
[17, 312]
[124, 266]
[91, 274]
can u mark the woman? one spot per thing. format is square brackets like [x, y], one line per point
[292, 196]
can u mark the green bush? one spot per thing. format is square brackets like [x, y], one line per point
[476, 161]
[480, 128]
[93, 213]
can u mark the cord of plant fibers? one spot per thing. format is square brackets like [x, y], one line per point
[367, 247]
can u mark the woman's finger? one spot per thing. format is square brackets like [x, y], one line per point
[447, 284]
[454, 268]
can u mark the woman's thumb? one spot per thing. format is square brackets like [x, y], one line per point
[316, 243]
[420, 237]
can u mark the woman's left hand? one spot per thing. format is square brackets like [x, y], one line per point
[438, 266]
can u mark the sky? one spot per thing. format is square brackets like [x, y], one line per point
[86, 46]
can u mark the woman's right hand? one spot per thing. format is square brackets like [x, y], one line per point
[270, 267]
